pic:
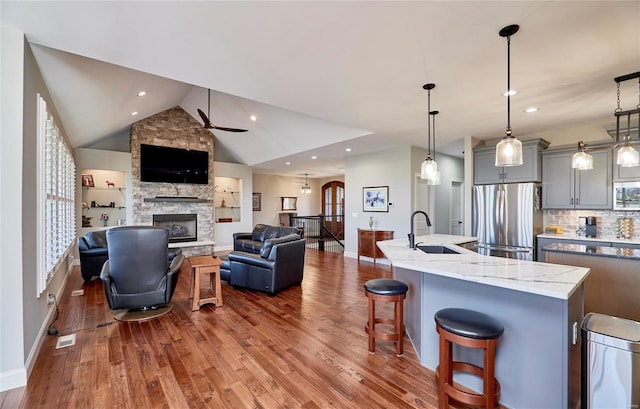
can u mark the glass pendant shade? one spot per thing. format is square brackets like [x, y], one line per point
[509, 152]
[582, 161]
[428, 169]
[628, 157]
[434, 179]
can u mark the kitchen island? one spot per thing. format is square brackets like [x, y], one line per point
[539, 304]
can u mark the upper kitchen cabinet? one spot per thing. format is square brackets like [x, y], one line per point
[486, 173]
[621, 174]
[566, 188]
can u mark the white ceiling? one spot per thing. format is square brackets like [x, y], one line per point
[324, 76]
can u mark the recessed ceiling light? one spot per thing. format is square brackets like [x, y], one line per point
[253, 118]
[348, 149]
[142, 93]
[134, 113]
[287, 163]
[511, 92]
[314, 157]
[531, 109]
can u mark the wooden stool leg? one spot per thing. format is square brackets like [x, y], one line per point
[489, 374]
[372, 325]
[445, 374]
[196, 290]
[399, 327]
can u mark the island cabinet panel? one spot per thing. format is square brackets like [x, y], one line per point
[367, 242]
[566, 188]
[538, 359]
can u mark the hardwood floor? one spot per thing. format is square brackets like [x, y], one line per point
[304, 348]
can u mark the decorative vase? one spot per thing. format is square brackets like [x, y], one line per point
[371, 223]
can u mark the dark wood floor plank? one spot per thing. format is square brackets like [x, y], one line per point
[304, 348]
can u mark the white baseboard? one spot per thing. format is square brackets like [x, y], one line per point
[383, 261]
[15, 378]
[42, 334]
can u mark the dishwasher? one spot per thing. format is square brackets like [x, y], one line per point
[610, 362]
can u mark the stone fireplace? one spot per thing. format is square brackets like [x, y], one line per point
[182, 227]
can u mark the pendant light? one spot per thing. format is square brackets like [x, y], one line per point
[306, 189]
[434, 179]
[509, 149]
[429, 167]
[627, 155]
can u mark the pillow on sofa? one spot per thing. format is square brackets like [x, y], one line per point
[271, 232]
[96, 239]
[258, 232]
[269, 243]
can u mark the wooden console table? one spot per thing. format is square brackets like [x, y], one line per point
[367, 242]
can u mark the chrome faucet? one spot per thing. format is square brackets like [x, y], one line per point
[412, 237]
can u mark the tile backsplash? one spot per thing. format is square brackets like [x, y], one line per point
[606, 220]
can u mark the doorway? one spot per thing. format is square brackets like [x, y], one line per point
[456, 225]
[333, 207]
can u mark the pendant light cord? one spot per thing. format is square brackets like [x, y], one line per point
[508, 132]
[429, 122]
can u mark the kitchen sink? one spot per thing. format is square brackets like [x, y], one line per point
[437, 250]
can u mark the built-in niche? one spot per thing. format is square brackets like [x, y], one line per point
[103, 198]
[228, 199]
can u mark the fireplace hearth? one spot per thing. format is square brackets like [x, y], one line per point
[182, 227]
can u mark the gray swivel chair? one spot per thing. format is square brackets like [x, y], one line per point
[137, 281]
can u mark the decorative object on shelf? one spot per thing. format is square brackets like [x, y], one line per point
[375, 199]
[509, 149]
[110, 184]
[223, 203]
[627, 156]
[370, 222]
[87, 181]
[105, 219]
[429, 169]
[256, 201]
[306, 189]
[624, 227]
[86, 221]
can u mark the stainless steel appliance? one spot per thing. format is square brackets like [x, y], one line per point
[626, 196]
[507, 218]
[610, 362]
[591, 227]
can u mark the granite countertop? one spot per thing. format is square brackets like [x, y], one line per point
[549, 280]
[574, 236]
[591, 250]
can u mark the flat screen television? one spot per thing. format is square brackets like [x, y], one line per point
[173, 165]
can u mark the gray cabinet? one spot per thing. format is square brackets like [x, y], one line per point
[621, 174]
[566, 188]
[486, 173]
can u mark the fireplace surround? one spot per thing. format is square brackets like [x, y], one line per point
[182, 227]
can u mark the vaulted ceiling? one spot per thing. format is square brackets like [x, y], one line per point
[321, 77]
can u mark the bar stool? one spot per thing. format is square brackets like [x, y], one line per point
[469, 329]
[386, 290]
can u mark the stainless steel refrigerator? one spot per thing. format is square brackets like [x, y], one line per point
[507, 218]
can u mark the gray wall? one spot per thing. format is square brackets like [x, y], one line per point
[391, 168]
[25, 316]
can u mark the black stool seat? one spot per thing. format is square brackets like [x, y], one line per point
[469, 324]
[385, 286]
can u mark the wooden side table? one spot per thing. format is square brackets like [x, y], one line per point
[367, 242]
[205, 265]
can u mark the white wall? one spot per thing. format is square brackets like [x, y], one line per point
[12, 369]
[391, 168]
[273, 188]
[223, 232]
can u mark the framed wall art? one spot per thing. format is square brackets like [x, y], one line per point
[87, 181]
[256, 202]
[375, 199]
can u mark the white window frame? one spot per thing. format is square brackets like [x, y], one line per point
[56, 229]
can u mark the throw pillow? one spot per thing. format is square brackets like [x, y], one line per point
[258, 232]
[96, 239]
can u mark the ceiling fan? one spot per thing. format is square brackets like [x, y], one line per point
[207, 122]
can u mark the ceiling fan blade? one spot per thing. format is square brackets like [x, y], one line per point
[207, 123]
[221, 128]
